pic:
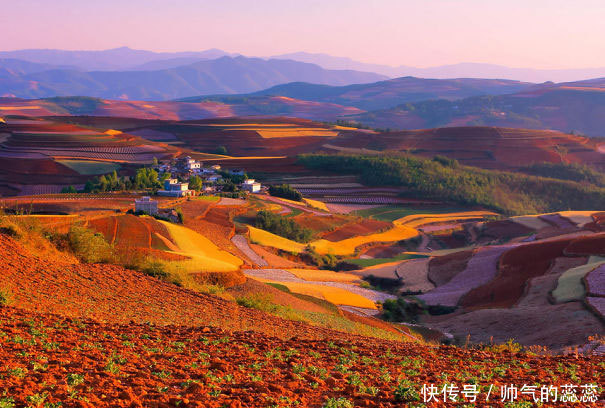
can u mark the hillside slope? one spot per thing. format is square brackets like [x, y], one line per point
[577, 106]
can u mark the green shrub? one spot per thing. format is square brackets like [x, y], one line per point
[406, 391]
[89, 246]
[340, 402]
[285, 191]
[6, 297]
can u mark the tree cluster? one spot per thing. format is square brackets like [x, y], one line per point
[282, 226]
[285, 191]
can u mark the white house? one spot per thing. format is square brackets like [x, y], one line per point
[172, 188]
[146, 205]
[251, 186]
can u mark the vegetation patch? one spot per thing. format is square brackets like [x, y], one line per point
[88, 168]
[506, 192]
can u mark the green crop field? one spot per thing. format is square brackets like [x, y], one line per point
[89, 168]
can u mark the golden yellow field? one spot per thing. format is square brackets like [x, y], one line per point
[205, 256]
[319, 275]
[8, 108]
[338, 296]
[416, 220]
[265, 238]
[294, 132]
[319, 205]
[348, 246]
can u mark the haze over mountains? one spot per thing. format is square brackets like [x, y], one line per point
[461, 70]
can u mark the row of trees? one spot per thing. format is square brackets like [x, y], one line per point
[285, 191]
[145, 178]
[509, 193]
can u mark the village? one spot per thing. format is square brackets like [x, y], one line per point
[189, 177]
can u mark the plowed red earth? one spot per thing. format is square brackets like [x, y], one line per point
[443, 268]
[590, 245]
[516, 267]
[113, 294]
[364, 227]
[82, 363]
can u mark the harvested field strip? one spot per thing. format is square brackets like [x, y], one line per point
[242, 244]
[265, 238]
[531, 221]
[558, 221]
[414, 274]
[320, 275]
[443, 268]
[348, 246]
[597, 305]
[595, 281]
[570, 284]
[205, 256]
[481, 269]
[580, 218]
[516, 268]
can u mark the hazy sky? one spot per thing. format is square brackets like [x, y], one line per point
[521, 33]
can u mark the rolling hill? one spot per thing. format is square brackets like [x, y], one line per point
[384, 94]
[574, 106]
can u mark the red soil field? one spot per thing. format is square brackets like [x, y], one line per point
[134, 365]
[589, 245]
[363, 227]
[110, 293]
[319, 224]
[443, 268]
[515, 268]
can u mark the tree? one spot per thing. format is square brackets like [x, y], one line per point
[195, 183]
[221, 150]
[69, 190]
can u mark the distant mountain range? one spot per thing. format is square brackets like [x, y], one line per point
[462, 70]
[116, 59]
[211, 76]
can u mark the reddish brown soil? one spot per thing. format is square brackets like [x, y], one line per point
[82, 363]
[364, 227]
[274, 260]
[590, 245]
[443, 268]
[504, 229]
[114, 294]
[516, 267]
[320, 224]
